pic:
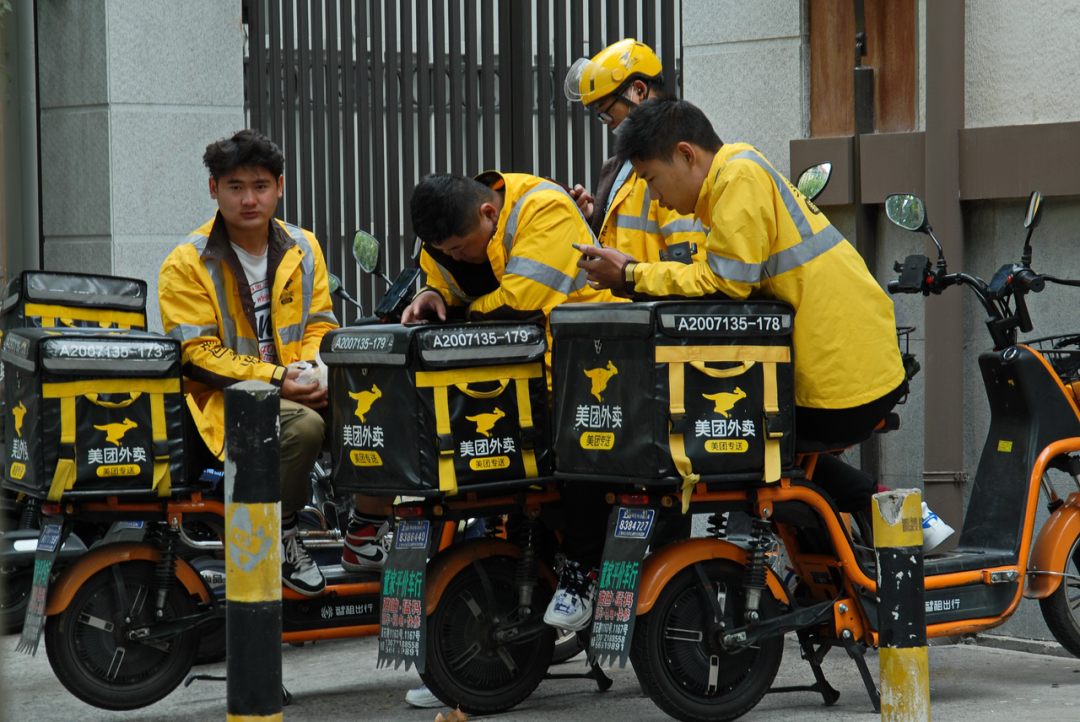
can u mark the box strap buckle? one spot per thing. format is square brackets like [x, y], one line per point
[528, 431]
[774, 424]
[65, 475]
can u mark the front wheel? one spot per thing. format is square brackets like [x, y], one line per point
[465, 665]
[678, 656]
[1061, 610]
[88, 646]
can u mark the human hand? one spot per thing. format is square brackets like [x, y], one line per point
[584, 201]
[426, 306]
[311, 395]
[604, 267]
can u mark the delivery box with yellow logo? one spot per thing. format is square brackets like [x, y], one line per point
[92, 413]
[422, 408]
[50, 299]
[673, 390]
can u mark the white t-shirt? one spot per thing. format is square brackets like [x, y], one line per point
[255, 270]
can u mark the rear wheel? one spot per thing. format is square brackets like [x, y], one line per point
[88, 646]
[1061, 610]
[680, 660]
[465, 665]
[15, 584]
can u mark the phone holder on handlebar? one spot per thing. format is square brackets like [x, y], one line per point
[915, 273]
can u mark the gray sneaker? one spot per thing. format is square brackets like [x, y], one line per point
[422, 697]
[298, 570]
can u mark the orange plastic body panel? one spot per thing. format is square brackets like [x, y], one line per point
[446, 565]
[1051, 550]
[664, 564]
[336, 590]
[63, 590]
[314, 635]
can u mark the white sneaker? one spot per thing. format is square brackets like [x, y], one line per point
[934, 530]
[572, 607]
[298, 570]
[422, 697]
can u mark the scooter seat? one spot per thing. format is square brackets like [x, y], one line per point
[966, 560]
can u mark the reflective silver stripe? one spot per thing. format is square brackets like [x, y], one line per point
[293, 333]
[594, 314]
[542, 273]
[732, 270]
[635, 223]
[681, 225]
[321, 317]
[794, 210]
[789, 258]
[307, 282]
[185, 332]
[242, 346]
[511, 222]
[449, 280]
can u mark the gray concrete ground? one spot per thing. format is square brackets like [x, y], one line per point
[338, 681]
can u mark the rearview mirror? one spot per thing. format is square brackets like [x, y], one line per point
[813, 180]
[334, 282]
[365, 249]
[907, 211]
[1034, 210]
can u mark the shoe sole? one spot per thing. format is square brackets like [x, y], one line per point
[559, 624]
[305, 592]
[370, 567]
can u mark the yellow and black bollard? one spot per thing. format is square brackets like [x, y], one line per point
[253, 552]
[905, 679]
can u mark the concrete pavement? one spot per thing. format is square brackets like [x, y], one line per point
[338, 681]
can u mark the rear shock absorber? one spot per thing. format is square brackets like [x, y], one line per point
[165, 569]
[717, 528]
[526, 575]
[755, 575]
[30, 518]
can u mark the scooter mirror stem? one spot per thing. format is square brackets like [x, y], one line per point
[940, 252]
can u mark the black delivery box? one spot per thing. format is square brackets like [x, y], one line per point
[93, 413]
[424, 409]
[47, 299]
[669, 389]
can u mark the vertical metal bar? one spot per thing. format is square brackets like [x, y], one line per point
[289, 147]
[487, 77]
[544, 80]
[456, 164]
[597, 130]
[318, 119]
[672, 81]
[472, 159]
[332, 240]
[393, 112]
[408, 144]
[613, 33]
[630, 10]
[273, 126]
[256, 64]
[648, 24]
[423, 108]
[521, 88]
[348, 147]
[365, 98]
[577, 110]
[438, 99]
[379, 115]
[506, 87]
[560, 66]
[305, 215]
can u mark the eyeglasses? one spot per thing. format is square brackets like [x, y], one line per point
[604, 116]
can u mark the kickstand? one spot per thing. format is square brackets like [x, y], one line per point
[286, 695]
[603, 682]
[857, 652]
[813, 657]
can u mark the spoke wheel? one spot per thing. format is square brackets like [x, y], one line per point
[91, 655]
[14, 595]
[465, 666]
[1061, 610]
[678, 656]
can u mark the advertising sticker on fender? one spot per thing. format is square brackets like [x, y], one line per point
[47, 549]
[629, 532]
[403, 633]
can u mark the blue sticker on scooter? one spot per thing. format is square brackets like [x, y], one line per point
[634, 523]
[412, 535]
[49, 541]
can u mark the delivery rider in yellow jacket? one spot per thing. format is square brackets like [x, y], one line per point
[247, 295]
[623, 215]
[498, 246]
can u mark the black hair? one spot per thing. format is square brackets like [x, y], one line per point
[653, 129]
[246, 149]
[445, 205]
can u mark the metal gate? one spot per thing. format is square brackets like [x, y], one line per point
[367, 96]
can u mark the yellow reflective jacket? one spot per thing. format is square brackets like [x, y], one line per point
[636, 224]
[533, 266]
[203, 308]
[767, 241]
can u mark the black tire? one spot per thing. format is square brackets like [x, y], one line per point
[674, 671]
[567, 646]
[464, 668]
[1061, 610]
[14, 595]
[211, 643]
[81, 652]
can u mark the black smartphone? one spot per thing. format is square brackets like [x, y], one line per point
[397, 299]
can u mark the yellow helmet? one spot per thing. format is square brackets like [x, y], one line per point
[591, 79]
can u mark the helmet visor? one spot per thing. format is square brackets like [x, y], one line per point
[580, 79]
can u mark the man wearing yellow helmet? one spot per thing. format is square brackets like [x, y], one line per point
[623, 215]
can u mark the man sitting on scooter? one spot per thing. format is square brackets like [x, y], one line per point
[246, 296]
